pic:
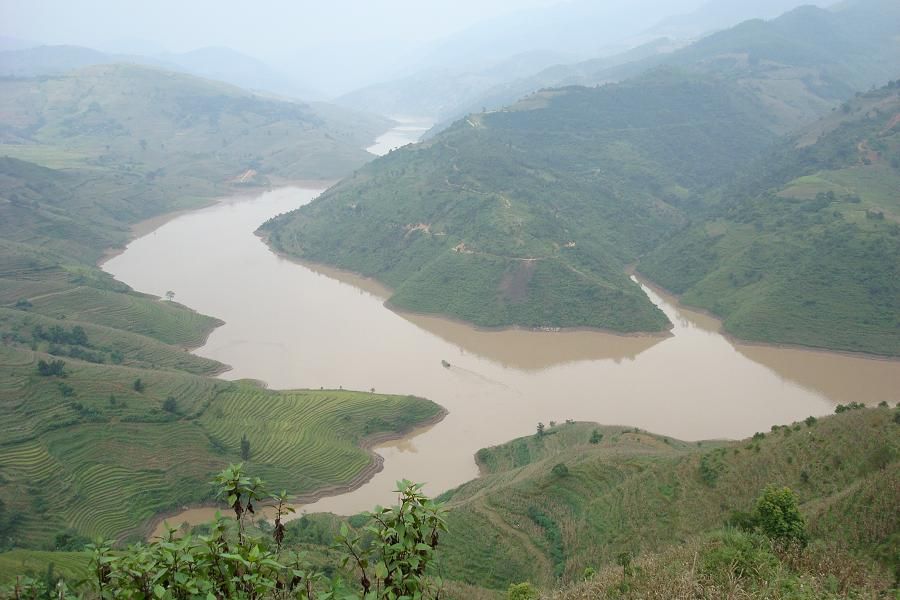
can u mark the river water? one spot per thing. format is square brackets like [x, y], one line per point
[305, 326]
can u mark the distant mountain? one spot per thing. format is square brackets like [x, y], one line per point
[14, 43]
[225, 64]
[722, 14]
[440, 92]
[50, 60]
[221, 64]
[558, 75]
[580, 28]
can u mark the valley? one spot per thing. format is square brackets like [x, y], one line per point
[598, 301]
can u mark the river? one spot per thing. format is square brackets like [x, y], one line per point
[303, 326]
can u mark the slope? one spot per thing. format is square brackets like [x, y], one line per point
[803, 250]
[579, 504]
[528, 216]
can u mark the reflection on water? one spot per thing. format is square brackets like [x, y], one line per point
[296, 326]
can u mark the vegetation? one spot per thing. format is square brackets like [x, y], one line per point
[107, 458]
[390, 556]
[529, 216]
[641, 494]
[507, 219]
[633, 519]
[791, 254]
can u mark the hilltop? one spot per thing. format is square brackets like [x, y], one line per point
[800, 63]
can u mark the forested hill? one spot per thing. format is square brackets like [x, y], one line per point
[529, 216]
[800, 63]
[804, 249]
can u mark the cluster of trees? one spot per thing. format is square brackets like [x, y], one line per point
[59, 335]
[53, 368]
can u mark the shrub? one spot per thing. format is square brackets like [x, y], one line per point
[391, 564]
[778, 516]
[170, 405]
[521, 591]
[560, 470]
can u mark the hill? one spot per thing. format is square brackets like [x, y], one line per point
[636, 492]
[800, 63]
[803, 249]
[144, 120]
[487, 221]
[102, 399]
[529, 216]
[581, 510]
[221, 64]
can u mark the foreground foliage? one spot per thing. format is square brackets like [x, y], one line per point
[388, 558]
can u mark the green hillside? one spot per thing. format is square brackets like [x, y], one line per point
[528, 519]
[95, 453]
[529, 216]
[102, 400]
[803, 249]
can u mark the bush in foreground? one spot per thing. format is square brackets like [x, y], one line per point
[388, 559]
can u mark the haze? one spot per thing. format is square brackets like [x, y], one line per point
[339, 46]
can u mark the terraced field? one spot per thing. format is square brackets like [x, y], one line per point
[131, 312]
[285, 429]
[529, 519]
[85, 464]
[73, 566]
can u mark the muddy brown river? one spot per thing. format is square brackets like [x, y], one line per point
[305, 326]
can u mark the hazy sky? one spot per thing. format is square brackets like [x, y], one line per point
[338, 45]
[261, 27]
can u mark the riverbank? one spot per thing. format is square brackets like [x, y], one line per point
[720, 327]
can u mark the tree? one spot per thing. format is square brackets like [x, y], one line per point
[560, 470]
[778, 516]
[78, 337]
[540, 429]
[138, 385]
[54, 368]
[596, 436]
[245, 447]
[170, 405]
[170, 295]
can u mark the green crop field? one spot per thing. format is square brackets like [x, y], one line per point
[106, 458]
[73, 566]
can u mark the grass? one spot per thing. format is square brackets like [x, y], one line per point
[642, 493]
[73, 566]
